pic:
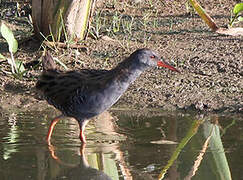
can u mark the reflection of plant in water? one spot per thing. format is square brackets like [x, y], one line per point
[10, 146]
[217, 151]
[199, 159]
[227, 127]
[212, 147]
[191, 132]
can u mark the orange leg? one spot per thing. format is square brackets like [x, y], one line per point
[82, 128]
[51, 127]
[82, 148]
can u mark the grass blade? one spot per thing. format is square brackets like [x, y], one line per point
[192, 131]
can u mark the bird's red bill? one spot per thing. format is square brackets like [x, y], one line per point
[164, 64]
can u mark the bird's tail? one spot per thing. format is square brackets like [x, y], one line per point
[49, 73]
[48, 62]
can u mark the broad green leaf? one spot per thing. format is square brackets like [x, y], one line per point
[2, 57]
[238, 8]
[8, 35]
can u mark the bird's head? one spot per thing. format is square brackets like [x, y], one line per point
[149, 58]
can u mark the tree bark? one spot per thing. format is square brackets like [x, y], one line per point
[62, 19]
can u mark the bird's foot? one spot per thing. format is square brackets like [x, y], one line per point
[52, 151]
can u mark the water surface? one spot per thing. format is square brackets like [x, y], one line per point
[122, 145]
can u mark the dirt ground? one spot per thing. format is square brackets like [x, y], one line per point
[211, 64]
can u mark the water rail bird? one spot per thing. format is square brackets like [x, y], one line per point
[86, 93]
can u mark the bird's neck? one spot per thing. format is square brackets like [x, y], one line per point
[127, 71]
[118, 81]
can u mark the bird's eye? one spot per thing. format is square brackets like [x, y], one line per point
[152, 57]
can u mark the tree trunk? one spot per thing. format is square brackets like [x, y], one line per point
[62, 19]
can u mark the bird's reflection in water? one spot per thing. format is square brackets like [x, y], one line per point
[79, 171]
[97, 160]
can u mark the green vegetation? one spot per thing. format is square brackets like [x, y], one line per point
[17, 67]
[236, 14]
[213, 26]
[191, 132]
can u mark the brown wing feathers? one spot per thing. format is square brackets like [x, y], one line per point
[54, 85]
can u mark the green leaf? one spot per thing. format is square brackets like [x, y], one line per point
[191, 132]
[8, 35]
[240, 18]
[2, 57]
[238, 8]
[20, 69]
[20, 66]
